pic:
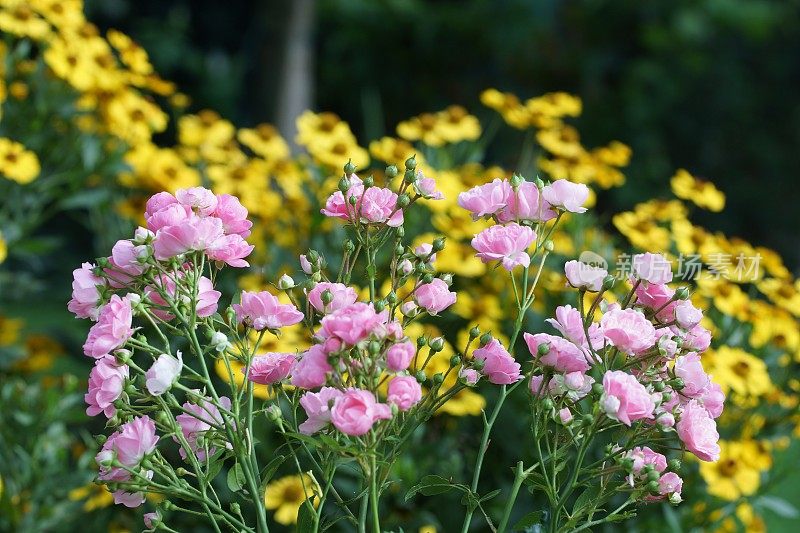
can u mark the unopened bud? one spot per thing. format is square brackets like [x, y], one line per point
[447, 278]
[411, 162]
[421, 377]
[403, 200]
[369, 181]
[658, 386]
[374, 347]
[652, 487]
[516, 180]
[455, 360]
[219, 341]
[427, 278]
[438, 244]
[598, 389]
[379, 306]
[438, 378]
[344, 185]
[274, 413]
[285, 282]
[349, 168]
[674, 464]
[682, 293]
[122, 356]
[409, 309]
[349, 246]
[400, 231]
[547, 403]
[236, 509]
[474, 333]
[421, 341]
[486, 338]
[352, 200]
[391, 171]
[409, 176]
[608, 283]
[538, 182]
[478, 364]
[436, 344]
[677, 384]
[105, 458]
[548, 245]
[181, 471]
[543, 349]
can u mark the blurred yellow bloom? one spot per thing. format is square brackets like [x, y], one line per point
[40, 353]
[3, 248]
[17, 163]
[287, 494]
[19, 19]
[642, 232]
[731, 477]
[456, 125]
[422, 128]
[265, 141]
[95, 496]
[702, 193]
[132, 55]
[737, 371]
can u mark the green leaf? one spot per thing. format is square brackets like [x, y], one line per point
[430, 485]
[214, 468]
[779, 506]
[530, 519]
[586, 500]
[86, 198]
[490, 495]
[236, 479]
[269, 470]
[305, 519]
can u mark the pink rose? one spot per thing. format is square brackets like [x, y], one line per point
[507, 244]
[337, 205]
[353, 323]
[356, 411]
[133, 441]
[199, 199]
[585, 276]
[125, 257]
[628, 330]
[207, 296]
[469, 375]
[380, 205]
[652, 268]
[261, 310]
[341, 295]
[426, 187]
[698, 339]
[312, 369]
[85, 292]
[399, 356]
[624, 398]
[106, 382]
[670, 485]
[569, 323]
[191, 234]
[171, 215]
[198, 419]
[233, 215]
[687, 315]
[157, 202]
[230, 249]
[498, 365]
[565, 415]
[654, 295]
[525, 204]
[113, 328]
[566, 195]
[713, 399]
[698, 431]
[561, 355]
[487, 199]
[317, 406]
[573, 385]
[163, 373]
[270, 367]
[423, 251]
[151, 520]
[690, 370]
[404, 392]
[435, 296]
[645, 456]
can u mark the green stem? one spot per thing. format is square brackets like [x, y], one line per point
[519, 477]
[373, 488]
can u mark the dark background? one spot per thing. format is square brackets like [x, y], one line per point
[707, 85]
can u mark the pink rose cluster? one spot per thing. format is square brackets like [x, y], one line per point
[657, 336]
[515, 207]
[352, 339]
[124, 452]
[368, 205]
[197, 220]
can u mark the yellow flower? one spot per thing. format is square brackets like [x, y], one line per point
[17, 163]
[19, 19]
[312, 126]
[265, 141]
[158, 169]
[287, 494]
[561, 142]
[737, 371]
[702, 193]
[642, 232]
[3, 248]
[731, 477]
[508, 105]
[427, 529]
[132, 55]
[394, 151]
[456, 124]
[40, 353]
[63, 14]
[209, 134]
[782, 292]
[423, 128]
[95, 496]
[133, 118]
